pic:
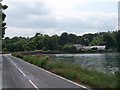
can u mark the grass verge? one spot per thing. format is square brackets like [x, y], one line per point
[75, 73]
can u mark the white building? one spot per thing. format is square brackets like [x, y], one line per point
[79, 46]
[99, 47]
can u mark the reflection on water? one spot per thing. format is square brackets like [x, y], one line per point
[107, 62]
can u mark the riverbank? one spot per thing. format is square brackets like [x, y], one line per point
[58, 52]
[75, 73]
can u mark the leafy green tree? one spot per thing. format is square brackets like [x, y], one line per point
[69, 48]
[85, 41]
[32, 45]
[37, 41]
[2, 19]
[98, 40]
[62, 43]
[79, 40]
[60, 47]
[18, 46]
[72, 38]
[5, 50]
[72, 49]
[54, 40]
[118, 40]
[66, 48]
[88, 37]
[109, 40]
[27, 48]
[64, 39]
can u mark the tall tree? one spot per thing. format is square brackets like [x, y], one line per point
[118, 41]
[2, 20]
[72, 38]
[109, 40]
[63, 38]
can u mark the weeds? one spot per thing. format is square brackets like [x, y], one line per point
[76, 73]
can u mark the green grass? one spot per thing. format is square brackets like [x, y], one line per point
[93, 79]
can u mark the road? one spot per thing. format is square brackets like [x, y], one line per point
[17, 73]
[0, 72]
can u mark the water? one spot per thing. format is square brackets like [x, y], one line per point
[105, 62]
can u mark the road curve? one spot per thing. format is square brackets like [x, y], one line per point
[17, 73]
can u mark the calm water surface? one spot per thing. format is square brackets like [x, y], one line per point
[105, 62]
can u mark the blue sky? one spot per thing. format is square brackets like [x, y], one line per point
[25, 18]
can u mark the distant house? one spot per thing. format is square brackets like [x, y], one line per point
[78, 46]
[99, 47]
[87, 48]
[82, 47]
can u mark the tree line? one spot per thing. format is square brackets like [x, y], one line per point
[64, 42]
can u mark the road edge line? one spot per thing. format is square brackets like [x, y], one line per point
[23, 73]
[53, 74]
[16, 67]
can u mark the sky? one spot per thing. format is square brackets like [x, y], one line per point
[27, 17]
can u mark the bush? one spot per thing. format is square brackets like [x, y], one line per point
[76, 73]
[42, 62]
[19, 55]
[69, 48]
[5, 50]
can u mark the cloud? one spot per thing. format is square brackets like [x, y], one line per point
[53, 26]
[17, 10]
[28, 32]
[55, 16]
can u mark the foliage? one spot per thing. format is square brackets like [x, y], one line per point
[64, 42]
[2, 19]
[118, 40]
[69, 48]
[76, 73]
[5, 50]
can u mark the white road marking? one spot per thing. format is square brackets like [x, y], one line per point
[55, 74]
[33, 84]
[23, 73]
[17, 67]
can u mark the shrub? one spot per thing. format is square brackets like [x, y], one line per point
[76, 73]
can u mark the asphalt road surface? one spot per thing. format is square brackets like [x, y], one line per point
[0, 72]
[17, 73]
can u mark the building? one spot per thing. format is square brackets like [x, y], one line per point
[99, 47]
[82, 47]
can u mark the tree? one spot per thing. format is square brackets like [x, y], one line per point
[64, 42]
[63, 39]
[2, 19]
[118, 40]
[72, 38]
[5, 50]
[109, 40]
[98, 40]
[89, 37]
[85, 41]
[69, 48]
[54, 40]
[31, 45]
[79, 39]
[37, 41]
[66, 48]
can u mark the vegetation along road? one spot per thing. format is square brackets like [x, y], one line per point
[29, 76]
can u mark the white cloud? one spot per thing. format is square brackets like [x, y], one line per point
[55, 16]
[28, 32]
